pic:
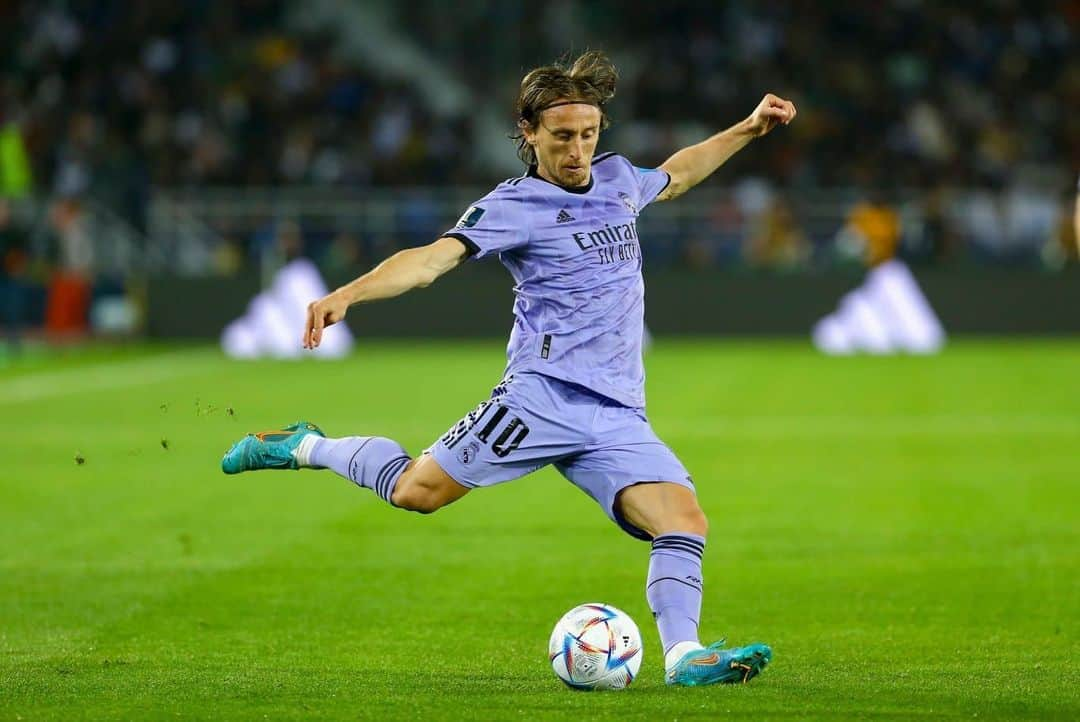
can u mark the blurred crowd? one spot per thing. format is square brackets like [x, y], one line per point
[896, 94]
[118, 98]
[126, 96]
[956, 117]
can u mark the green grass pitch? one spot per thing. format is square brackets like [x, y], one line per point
[905, 533]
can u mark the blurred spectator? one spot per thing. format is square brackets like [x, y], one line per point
[1075, 250]
[1063, 246]
[16, 179]
[940, 242]
[14, 273]
[228, 258]
[68, 304]
[344, 253]
[776, 242]
[872, 231]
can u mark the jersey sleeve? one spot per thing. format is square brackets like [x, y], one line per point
[650, 182]
[493, 224]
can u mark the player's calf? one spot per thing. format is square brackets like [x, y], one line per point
[373, 462]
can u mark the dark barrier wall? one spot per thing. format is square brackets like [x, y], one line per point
[476, 301]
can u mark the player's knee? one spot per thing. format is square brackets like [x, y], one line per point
[413, 499]
[696, 522]
[689, 519]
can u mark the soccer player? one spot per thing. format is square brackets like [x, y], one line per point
[572, 394]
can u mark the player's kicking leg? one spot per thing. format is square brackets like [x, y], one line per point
[670, 513]
[373, 462]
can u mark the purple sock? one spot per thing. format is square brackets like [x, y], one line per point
[674, 586]
[372, 462]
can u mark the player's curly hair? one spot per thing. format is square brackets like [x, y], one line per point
[590, 79]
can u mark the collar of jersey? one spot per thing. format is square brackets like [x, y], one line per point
[575, 189]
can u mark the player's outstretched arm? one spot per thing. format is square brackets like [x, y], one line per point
[401, 272]
[695, 163]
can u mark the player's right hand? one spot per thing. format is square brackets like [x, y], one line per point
[770, 111]
[327, 311]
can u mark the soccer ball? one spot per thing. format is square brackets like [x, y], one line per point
[595, 646]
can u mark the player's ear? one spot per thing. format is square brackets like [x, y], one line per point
[528, 131]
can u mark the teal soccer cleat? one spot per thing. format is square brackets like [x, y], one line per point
[268, 449]
[716, 664]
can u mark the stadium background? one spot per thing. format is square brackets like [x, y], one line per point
[149, 150]
[903, 530]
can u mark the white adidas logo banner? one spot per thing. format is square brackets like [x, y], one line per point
[887, 314]
[274, 322]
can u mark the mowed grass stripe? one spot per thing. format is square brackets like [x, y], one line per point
[106, 376]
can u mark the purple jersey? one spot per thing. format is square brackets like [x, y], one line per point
[574, 254]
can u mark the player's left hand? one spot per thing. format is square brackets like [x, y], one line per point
[770, 111]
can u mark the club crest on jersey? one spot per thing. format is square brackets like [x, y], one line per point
[630, 205]
[468, 452]
[470, 217]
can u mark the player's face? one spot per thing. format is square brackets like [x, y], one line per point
[565, 141]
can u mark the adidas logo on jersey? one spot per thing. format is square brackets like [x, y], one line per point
[563, 217]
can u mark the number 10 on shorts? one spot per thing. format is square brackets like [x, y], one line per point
[508, 432]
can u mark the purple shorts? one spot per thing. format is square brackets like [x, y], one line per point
[532, 420]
